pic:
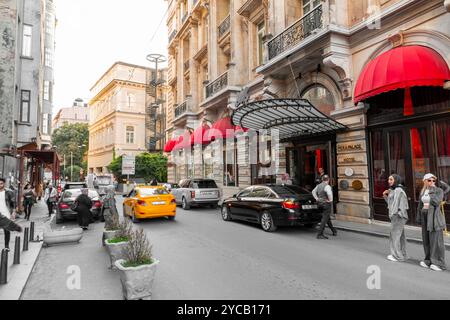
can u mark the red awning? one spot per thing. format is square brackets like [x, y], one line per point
[401, 68]
[170, 145]
[183, 141]
[200, 135]
[223, 129]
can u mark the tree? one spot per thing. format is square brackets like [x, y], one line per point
[75, 171]
[68, 139]
[148, 166]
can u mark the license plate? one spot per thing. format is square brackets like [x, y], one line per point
[208, 193]
[158, 203]
[309, 207]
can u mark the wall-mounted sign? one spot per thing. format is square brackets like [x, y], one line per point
[349, 172]
[350, 147]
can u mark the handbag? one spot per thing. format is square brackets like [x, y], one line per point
[74, 206]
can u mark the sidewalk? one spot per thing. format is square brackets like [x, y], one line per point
[19, 274]
[383, 229]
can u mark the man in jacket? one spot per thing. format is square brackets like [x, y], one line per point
[50, 198]
[7, 211]
[323, 193]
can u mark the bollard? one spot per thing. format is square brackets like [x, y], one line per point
[32, 231]
[25, 240]
[4, 267]
[17, 251]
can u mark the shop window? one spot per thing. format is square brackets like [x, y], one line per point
[397, 153]
[379, 166]
[443, 154]
[420, 157]
[321, 98]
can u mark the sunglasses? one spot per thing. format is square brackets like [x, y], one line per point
[431, 180]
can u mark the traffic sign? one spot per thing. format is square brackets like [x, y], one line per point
[128, 165]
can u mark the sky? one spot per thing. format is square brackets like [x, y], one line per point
[93, 34]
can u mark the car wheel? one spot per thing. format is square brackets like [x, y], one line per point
[267, 222]
[184, 204]
[225, 213]
[171, 218]
[134, 219]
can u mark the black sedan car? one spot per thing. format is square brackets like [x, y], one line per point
[66, 200]
[272, 206]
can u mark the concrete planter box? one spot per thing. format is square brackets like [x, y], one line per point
[60, 236]
[137, 282]
[116, 251]
[108, 235]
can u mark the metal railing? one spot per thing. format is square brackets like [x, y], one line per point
[181, 109]
[172, 35]
[224, 26]
[217, 85]
[297, 32]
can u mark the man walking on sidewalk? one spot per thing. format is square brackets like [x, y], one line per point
[7, 211]
[324, 197]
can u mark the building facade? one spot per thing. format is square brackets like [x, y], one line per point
[117, 112]
[325, 74]
[78, 113]
[26, 81]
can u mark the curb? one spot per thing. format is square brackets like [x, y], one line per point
[383, 235]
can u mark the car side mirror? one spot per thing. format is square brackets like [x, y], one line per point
[238, 198]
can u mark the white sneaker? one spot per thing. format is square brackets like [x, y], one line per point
[391, 258]
[435, 268]
[423, 264]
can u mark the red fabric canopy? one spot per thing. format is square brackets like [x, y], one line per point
[200, 135]
[401, 68]
[170, 145]
[223, 129]
[183, 141]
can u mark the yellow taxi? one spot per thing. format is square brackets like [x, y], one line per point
[146, 202]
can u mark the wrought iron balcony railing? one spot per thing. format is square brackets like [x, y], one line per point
[297, 32]
[172, 35]
[182, 109]
[217, 85]
[224, 27]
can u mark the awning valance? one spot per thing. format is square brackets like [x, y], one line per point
[292, 117]
[401, 68]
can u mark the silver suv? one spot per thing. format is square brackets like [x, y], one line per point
[197, 192]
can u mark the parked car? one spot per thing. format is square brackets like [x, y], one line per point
[149, 202]
[101, 183]
[74, 185]
[197, 192]
[63, 210]
[272, 206]
[169, 186]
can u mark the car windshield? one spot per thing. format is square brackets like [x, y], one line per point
[152, 192]
[76, 192]
[104, 180]
[204, 184]
[289, 190]
[74, 185]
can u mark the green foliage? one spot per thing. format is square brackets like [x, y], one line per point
[118, 240]
[76, 173]
[68, 139]
[148, 166]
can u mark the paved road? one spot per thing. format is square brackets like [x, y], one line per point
[203, 257]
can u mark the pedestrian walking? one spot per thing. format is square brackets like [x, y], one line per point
[7, 212]
[397, 202]
[29, 198]
[50, 198]
[83, 205]
[433, 224]
[323, 194]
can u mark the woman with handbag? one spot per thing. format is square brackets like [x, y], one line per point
[29, 198]
[397, 202]
[82, 206]
[433, 224]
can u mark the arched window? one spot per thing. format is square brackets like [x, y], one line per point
[130, 135]
[321, 98]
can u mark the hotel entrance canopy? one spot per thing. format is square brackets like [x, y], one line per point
[292, 117]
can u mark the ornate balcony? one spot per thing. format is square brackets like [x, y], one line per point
[224, 27]
[297, 32]
[181, 109]
[217, 85]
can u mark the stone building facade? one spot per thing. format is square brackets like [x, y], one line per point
[78, 113]
[120, 101]
[265, 51]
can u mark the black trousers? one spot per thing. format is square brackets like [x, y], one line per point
[326, 219]
[7, 237]
[27, 208]
[50, 208]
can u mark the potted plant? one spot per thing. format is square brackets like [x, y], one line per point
[112, 227]
[118, 244]
[138, 269]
